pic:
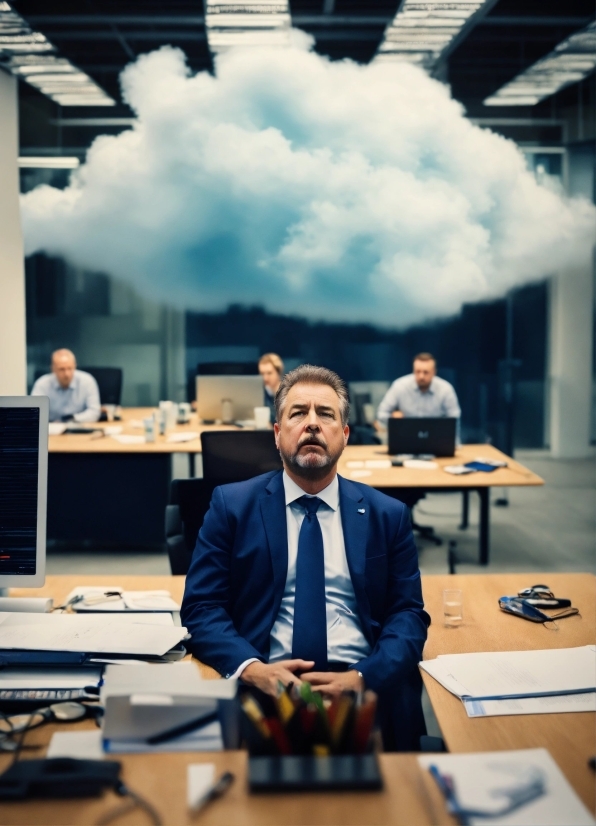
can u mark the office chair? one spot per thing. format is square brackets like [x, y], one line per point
[361, 430]
[185, 512]
[109, 380]
[228, 456]
[236, 455]
[228, 368]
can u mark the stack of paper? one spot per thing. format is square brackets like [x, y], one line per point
[93, 599]
[519, 682]
[487, 782]
[114, 634]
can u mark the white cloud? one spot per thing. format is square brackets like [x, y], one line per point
[327, 189]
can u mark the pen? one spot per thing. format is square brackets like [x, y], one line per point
[217, 790]
[184, 728]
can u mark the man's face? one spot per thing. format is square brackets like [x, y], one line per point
[63, 368]
[310, 435]
[269, 375]
[424, 371]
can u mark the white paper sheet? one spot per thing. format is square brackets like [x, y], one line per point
[556, 704]
[56, 428]
[39, 678]
[479, 777]
[182, 437]
[96, 634]
[200, 778]
[131, 601]
[128, 439]
[504, 673]
[82, 745]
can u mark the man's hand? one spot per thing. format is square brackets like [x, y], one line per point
[397, 414]
[332, 683]
[266, 676]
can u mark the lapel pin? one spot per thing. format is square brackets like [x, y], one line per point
[361, 510]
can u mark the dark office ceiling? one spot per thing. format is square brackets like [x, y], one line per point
[102, 36]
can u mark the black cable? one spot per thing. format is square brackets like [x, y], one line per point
[135, 801]
[17, 752]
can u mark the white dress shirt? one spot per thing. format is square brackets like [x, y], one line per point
[79, 400]
[440, 400]
[345, 641]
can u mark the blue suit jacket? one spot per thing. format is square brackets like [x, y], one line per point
[236, 580]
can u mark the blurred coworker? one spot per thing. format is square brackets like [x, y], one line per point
[422, 394]
[271, 368]
[73, 394]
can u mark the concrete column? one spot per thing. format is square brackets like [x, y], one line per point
[174, 355]
[13, 343]
[571, 330]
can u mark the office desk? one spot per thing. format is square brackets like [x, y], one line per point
[570, 738]
[437, 480]
[409, 797]
[108, 494]
[129, 495]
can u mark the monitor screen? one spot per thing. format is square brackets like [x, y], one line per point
[23, 474]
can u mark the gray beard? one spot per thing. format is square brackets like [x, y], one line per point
[311, 466]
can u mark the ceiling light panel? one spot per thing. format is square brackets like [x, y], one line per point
[569, 63]
[31, 57]
[250, 23]
[425, 32]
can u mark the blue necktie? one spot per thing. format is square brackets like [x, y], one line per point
[309, 641]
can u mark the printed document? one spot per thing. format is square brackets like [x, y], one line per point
[89, 634]
[487, 781]
[497, 674]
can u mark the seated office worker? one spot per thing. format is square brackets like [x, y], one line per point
[421, 394]
[271, 368]
[301, 574]
[73, 394]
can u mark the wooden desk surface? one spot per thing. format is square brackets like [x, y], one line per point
[570, 738]
[514, 475]
[409, 796]
[132, 424]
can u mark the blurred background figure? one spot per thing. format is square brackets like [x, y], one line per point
[421, 394]
[271, 368]
[73, 394]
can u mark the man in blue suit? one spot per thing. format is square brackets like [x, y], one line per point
[301, 574]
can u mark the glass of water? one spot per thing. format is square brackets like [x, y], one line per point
[453, 613]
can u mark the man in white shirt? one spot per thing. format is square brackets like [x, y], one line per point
[73, 394]
[301, 574]
[421, 394]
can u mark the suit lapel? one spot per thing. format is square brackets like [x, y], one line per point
[273, 510]
[354, 520]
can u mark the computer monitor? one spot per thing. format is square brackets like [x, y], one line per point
[429, 436]
[244, 392]
[23, 490]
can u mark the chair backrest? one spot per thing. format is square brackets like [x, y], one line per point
[236, 455]
[228, 368]
[109, 381]
[189, 502]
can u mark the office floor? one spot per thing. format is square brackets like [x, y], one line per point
[552, 528]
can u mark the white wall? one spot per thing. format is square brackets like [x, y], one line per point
[13, 358]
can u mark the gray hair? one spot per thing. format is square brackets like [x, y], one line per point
[310, 374]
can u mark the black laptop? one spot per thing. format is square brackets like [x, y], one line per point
[434, 437]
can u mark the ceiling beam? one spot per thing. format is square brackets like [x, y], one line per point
[298, 20]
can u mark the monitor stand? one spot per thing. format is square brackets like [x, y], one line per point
[30, 605]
